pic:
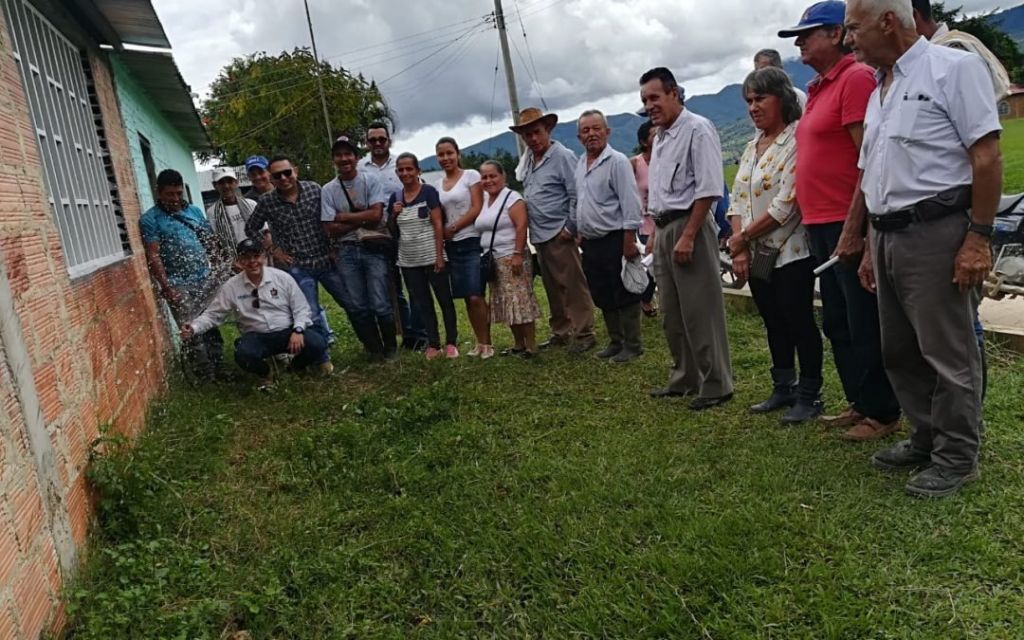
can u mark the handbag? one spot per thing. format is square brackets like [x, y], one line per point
[488, 267]
[762, 255]
[375, 239]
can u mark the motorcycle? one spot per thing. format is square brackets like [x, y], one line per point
[1007, 276]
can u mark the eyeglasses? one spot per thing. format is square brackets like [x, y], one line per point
[284, 173]
[255, 299]
[380, 140]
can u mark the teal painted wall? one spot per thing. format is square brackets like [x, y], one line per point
[170, 151]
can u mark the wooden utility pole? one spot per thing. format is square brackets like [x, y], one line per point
[510, 76]
[319, 78]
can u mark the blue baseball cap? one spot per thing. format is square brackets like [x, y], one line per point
[256, 161]
[822, 14]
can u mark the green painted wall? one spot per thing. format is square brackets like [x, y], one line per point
[170, 151]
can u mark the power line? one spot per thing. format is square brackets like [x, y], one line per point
[529, 52]
[494, 90]
[422, 60]
[530, 73]
[291, 81]
[456, 55]
[294, 83]
[289, 110]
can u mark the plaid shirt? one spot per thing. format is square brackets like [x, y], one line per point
[296, 228]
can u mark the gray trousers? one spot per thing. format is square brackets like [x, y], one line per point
[693, 312]
[928, 344]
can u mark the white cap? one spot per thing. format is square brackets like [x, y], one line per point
[223, 172]
[634, 276]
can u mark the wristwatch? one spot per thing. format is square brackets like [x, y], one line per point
[298, 330]
[980, 229]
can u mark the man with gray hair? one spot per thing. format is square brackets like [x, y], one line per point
[685, 182]
[607, 215]
[772, 58]
[931, 177]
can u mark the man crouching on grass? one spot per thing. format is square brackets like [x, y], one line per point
[273, 317]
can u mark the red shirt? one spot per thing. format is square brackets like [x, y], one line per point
[826, 158]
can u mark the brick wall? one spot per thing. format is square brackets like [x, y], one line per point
[95, 345]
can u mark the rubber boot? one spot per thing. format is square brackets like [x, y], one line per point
[388, 337]
[783, 392]
[808, 402]
[612, 322]
[629, 321]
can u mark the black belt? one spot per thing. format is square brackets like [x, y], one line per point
[952, 201]
[662, 218]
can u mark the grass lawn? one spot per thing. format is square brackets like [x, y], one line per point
[1013, 156]
[547, 498]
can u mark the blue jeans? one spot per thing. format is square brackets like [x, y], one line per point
[253, 348]
[308, 281]
[365, 277]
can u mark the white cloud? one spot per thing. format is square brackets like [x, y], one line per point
[437, 70]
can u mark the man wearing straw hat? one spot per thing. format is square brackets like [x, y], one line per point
[549, 185]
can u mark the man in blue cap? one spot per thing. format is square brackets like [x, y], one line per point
[828, 139]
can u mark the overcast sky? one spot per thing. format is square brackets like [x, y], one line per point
[435, 59]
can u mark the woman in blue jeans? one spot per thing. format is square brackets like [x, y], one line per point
[462, 197]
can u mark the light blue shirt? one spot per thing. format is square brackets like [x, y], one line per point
[549, 187]
[607, 196]
[364, 190]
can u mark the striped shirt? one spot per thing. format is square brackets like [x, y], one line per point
[416, 247]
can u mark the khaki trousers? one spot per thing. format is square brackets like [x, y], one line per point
[693, 312]
[928, 341]
[572, 309]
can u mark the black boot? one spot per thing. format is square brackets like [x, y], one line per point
[388, 337]
[808, 402]
[629, 323]
[783, 392]
[613, 323]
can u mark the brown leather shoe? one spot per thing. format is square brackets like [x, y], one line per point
[847, 418]
[869, 429]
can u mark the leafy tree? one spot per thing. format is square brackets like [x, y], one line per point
[984, 28]
[508, 162]
[263, 104]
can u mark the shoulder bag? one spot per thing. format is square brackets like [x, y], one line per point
[488, 268]
[762, 255]
[376, 239]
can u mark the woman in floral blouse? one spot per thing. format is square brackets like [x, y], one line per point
[765, 217]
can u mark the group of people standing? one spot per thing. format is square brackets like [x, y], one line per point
[884, 177]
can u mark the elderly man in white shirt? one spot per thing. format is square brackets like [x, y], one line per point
[931, 177]
[607, 215]
[685, 181]
[273, 317]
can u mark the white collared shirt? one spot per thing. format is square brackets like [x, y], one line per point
[608, 199]
[916, 142]
[281, 304]
[387, 175]
[686, 164]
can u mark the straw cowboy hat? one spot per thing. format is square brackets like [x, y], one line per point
[530, 115]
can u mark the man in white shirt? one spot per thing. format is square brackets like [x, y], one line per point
[685, 182]
[381, 163]
[230, 213]
[607, 216]
[273, 317]
[931, 177]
